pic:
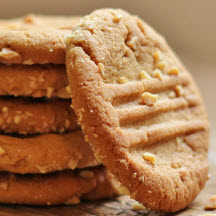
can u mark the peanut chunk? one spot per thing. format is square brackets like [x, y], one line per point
[122, 80]
[158, 74]
[50, 91]
[68, 88]
[150, 157]
[148, 98]
[7, 53]
[17, 119]
[144, 75]
[179, 90]
[86, 174]
[72, 164]
[157, 56]
[173, 71]
[101, 68]
[171, 94]
[211, 203]
[137, 206]
[117, 18]
[72, 200]
[161, 65]
[132, 43]
[2, 151]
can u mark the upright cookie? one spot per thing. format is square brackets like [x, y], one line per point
[45, 153]
[31, 116]
[35, 39]
[34, 80]
[66, 187]
[140, 109]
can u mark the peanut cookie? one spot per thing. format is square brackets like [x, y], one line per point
[34, 80]
[45, 153]
[35, 39]
[65, 187]
[31, 116]
[140, 109]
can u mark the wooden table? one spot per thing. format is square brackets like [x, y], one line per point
[205, 74]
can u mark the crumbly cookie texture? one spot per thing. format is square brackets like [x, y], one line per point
[65, 187]
[120, 127]
[24, 116]
[33, 81]
[45, 153]
[35, 39]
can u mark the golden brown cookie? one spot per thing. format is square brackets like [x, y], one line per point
[45, 153]
[31, 116]
[35, 39]
[140, 109]
[34, 80]
[65, 187]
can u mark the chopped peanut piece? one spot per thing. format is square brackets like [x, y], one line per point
[122, 80]
[86, 174]
[68, 88]
[179, 90]
[4, 109]
[172, 94]
[17, 119]
[150, 157]
[173, 71]
[117, 18]
[133, 195]
[101, 68]
[157, 56]
[144, 75]
[138, 206]
[148, 98]
[132, 43]
[72, 200]
[50, 91]
[211, 203]
[124, 190]
[72, 164]
[8, 53]
[157, 74]
[2, 151]
[161, 65]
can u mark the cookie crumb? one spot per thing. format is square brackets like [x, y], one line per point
[17, 119]
[150, 157]
[2, 151]
[173, 71]
[7, 53]
[4, 109]
[51, 50]
[72, 200]
[68, 88]
[101, 68]
[211, 203]
[86, 174]
[4, 185]
[137, 206]
[72, 164]
[122, 80]
[179, 90]
[158, 74]
[176, 165]
[144, 75]
[148, 98]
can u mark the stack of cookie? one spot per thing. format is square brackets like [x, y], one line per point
[44, 158]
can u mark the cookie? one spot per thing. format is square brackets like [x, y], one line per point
[65, 187]
[31, 116]
[140, 109]
[45, 153]
[33, 81]
[35, 39]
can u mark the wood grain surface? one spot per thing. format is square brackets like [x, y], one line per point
[205, 74]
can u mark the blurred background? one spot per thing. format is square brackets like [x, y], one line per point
[188, 25]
